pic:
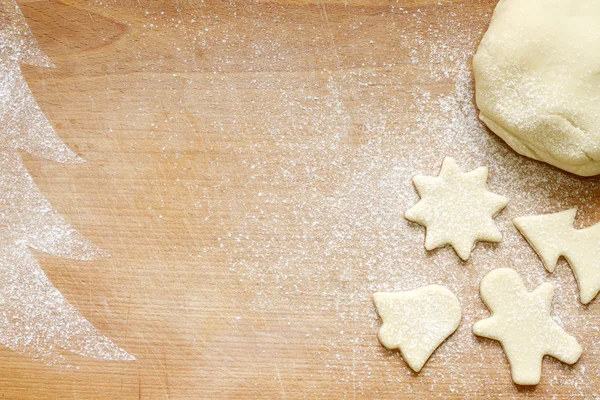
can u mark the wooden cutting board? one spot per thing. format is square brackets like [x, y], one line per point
[181, 109]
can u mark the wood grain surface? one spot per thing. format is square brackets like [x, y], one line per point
[151, 94]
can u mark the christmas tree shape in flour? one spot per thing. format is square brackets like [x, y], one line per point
[35, 318]
[16, 39]
[553, 236]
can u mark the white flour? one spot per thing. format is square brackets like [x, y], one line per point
[325, 167]
[326, 118]
[35, 319]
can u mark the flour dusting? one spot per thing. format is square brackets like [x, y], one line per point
[324, 178]
[309, 120]
[35, 318]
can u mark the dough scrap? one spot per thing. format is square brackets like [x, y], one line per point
[537, 80]
[456, 208]
[521, 321]
[417, 321]
[553, 236]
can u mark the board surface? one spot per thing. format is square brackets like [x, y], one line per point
[243, 164]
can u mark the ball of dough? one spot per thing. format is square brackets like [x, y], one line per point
[537, 74]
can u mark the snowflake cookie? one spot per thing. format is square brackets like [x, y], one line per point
[456, 208]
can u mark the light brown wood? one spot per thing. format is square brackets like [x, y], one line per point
[156, 104]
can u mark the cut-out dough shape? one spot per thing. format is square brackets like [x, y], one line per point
[456, 208]
[553, 236]
[521, 321]
[417, 321]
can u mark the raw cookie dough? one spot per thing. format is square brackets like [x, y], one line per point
[553, 236]
[456, 208]
[417, 321]
[537, 74]
[521, 321]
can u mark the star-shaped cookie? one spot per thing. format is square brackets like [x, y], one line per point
[521, 321]
[456, 208]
